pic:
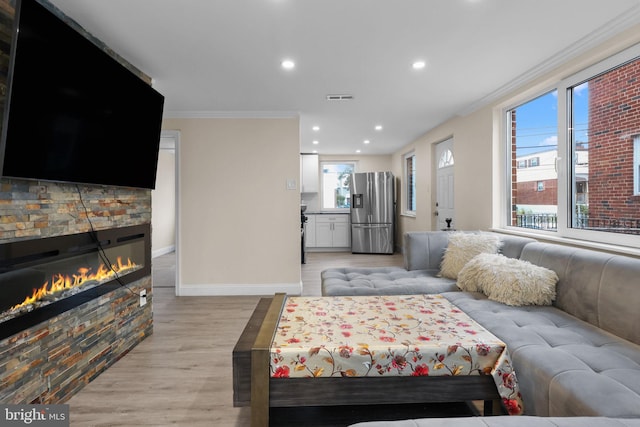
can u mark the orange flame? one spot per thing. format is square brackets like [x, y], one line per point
[61, 282]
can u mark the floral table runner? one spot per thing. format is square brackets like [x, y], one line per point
[410, 335]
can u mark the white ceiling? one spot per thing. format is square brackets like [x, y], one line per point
[221, 58]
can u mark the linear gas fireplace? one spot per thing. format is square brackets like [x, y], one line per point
[42, 278]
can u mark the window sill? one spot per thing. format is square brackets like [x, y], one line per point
[605, 247]
[408, 214]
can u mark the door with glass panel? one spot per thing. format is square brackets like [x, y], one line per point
[445, 212]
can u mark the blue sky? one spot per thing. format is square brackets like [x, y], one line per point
[537, 121]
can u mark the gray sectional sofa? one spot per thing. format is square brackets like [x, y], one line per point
[423, 252]
[578, 357]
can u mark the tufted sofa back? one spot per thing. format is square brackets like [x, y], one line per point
[423, 250]
[599, 288]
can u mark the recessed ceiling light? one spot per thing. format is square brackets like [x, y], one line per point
[366, 141]
[314, 151]
[419, 65]
[315, 128]
[288, 64]
[357, 151]
[378, 127]
[316, 142]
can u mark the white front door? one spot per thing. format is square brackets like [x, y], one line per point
[445, 213]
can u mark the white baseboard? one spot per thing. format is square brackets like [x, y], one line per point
[162, 251]
[240, 289]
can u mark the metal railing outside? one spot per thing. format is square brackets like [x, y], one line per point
[550, 222]
[537, 221]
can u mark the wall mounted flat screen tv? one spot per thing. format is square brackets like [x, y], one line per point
[73, 113]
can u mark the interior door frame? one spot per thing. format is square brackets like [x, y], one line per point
[175, 136]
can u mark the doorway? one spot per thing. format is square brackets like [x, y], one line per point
[165, 214]
[445, 208]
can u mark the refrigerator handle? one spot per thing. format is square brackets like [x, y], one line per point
[371, 180]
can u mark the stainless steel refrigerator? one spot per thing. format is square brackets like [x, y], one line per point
[372, 212]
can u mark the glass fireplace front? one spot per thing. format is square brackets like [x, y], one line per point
[42, 278]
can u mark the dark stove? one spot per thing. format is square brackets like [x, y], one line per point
[303, 219]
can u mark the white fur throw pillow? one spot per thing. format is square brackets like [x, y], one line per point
[509, 281]
[464, 246]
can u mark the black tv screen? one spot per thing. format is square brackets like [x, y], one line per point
[75, 114]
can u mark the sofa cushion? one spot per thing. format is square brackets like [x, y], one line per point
[597, 287]
[509, 281]
[383, 281]
[565, 366]
[423, 250]
[464, 246]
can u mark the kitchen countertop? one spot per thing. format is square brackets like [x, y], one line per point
[326, 213]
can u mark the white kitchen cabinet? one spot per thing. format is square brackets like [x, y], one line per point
[332, 231]
[341, 234]
[309, 173]
[324, 234]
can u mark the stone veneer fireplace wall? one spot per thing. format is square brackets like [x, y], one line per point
[51, 361]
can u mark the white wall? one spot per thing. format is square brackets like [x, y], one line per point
[163, 207]
[478, 150]
[364, 163]
[239, 225]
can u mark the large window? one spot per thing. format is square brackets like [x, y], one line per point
[574, 155]
[410, 183]
[604, 118]
[533, 142]
[335, 179]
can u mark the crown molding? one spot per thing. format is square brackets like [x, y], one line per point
[230, 114]
[614, 27]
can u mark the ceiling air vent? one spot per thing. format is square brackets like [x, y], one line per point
[339, 97]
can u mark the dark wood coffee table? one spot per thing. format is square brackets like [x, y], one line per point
[256, 388]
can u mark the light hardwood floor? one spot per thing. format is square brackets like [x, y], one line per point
[181, 375]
